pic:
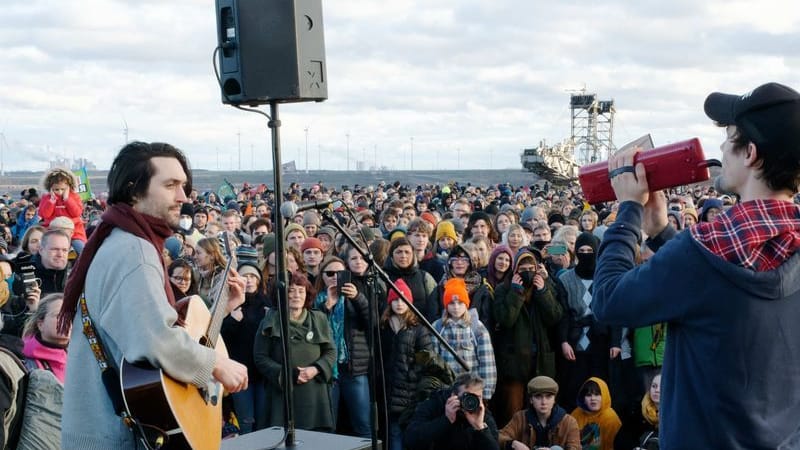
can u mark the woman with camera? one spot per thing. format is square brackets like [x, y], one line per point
[348, 314]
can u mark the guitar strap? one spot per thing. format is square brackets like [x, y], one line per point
[109, 373]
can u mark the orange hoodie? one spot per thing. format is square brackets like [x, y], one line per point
[598, 429]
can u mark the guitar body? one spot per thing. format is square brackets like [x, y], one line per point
[177, 408]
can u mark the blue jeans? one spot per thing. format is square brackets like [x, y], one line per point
[251, 407]
[395, 435]
[355, 392]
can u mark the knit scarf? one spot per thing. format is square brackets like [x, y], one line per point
[124, 217]
[472, 279]
[650, 410]
[55, 357]
[336, 319]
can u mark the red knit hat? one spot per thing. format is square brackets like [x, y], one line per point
[455, 289]
[403, 287]
[311, 242]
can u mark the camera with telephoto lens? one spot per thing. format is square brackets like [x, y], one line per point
[25, 279]
[469, 402]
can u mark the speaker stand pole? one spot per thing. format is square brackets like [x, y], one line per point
[280, 269]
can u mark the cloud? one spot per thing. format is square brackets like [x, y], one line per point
[488, 78]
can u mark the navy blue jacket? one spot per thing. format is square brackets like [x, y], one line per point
[731, 376]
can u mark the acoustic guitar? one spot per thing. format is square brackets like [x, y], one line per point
[182, 415]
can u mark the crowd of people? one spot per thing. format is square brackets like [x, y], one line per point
[547, 317]
[502, 272]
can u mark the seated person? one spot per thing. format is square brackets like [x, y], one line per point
[453, 418]
[543, 424]
[598, 423]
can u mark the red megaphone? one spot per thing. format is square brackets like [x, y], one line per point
[668, 166]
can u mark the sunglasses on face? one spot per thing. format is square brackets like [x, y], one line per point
[330, 273]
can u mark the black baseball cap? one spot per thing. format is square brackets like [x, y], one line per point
[769, 114]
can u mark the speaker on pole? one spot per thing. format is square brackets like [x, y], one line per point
[271, 50]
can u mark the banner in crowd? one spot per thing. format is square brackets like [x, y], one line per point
[289, 167]
[84, 188]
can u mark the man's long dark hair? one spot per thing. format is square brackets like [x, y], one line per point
[132, 170]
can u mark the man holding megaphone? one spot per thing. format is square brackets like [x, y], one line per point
[728, 289]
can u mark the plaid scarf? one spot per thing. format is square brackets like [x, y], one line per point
[758, 235]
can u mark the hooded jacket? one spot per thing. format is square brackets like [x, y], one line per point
[732, 337]
[523, 318]
[597, 429]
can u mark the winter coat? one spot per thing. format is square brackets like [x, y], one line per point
[311, 344]
[422, 285]
[430, 429]
[239, 336]
[473, 344]
[562, 429]
[648, 345]
[52, 280]
[356, 317]
[72, 208]
[523, 318]
[18, 229]
[403, 374]
[597, 429]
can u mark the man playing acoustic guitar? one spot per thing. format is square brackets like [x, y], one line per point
[128, 300]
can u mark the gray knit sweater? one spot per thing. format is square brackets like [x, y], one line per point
[126, 300]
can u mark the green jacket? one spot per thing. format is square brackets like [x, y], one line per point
[518, 329]
[311, 344]
[648, 345]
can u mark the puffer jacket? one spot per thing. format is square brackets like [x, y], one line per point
[403, 374]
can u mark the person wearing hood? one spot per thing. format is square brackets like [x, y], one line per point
[597, 421]
[401, 262]
[500, 265]
[543, 424]
[711, 208]
[586, 344]
[733, 336]
[481, 294]
[526, 310]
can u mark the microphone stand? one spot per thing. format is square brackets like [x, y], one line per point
[374, 269]
[280, 288]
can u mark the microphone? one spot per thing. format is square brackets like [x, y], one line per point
[290, 209]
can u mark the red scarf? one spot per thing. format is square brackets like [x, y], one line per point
[123, 216]
[758, 235]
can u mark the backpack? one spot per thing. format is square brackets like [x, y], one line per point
[14, 370]
[33, 420]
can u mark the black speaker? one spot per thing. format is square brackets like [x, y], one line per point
[271, 50]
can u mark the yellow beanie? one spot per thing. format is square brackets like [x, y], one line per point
[446, 228]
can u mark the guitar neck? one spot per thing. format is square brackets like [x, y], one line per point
[220, 290]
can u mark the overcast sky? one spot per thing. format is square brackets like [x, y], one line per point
[488, 77]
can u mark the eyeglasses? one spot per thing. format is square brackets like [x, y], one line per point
[330, 273]
[459, 259]
[182, 279]
[526, 269]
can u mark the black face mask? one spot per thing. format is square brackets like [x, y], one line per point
[539, 244]
[527, 278]
[586, 265]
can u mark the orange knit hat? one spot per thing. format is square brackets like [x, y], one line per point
[455, 289]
